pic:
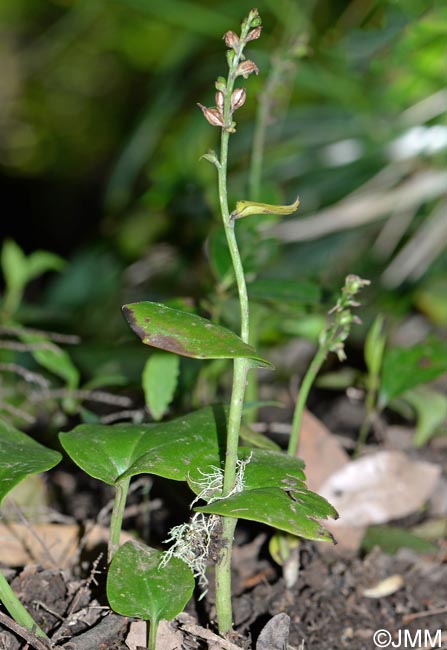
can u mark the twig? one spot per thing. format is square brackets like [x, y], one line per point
[18, 413]
[108, 628]
[27, 347]
[76, 598]
[29, 526]
[70, 339]
[430, 612]
[203, 633]
[29, 637]
[135, 415]
[87, 395]
[28, 375]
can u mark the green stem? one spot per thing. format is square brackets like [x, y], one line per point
[241, 367]
[16, 609]
[303, 393]
[152, 628]
[116, 521]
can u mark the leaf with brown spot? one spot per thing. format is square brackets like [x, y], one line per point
[186, 334]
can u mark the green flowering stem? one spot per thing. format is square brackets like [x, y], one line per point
[227, 101]
[301, 400]
[332, 338]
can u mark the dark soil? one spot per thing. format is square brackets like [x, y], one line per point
[326, 609]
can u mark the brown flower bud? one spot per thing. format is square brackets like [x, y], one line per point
[212, 115]
[245, 69]
[231, 40]
[254, 34]
[237, 98]
[219, 97]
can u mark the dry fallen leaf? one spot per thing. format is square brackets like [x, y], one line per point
[167, 637]
[49, 545]
[379, 487]
[320, 450]
[385, 587]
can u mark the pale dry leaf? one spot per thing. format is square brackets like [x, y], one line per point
[168, 638]
[385, 587]
[322, 453]
[379, 487]
[137, 635]
[48, 544]
[323, 456]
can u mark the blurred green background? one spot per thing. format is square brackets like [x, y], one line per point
[101, 139]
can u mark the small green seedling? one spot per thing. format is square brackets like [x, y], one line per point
[20, 456]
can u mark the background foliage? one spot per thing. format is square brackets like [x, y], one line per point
[100, 142]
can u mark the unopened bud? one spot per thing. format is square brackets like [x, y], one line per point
[212, 115]
[254, 34]
[254, 18]
[245, 69]
[220, 84]
[219, 97]
[231, 40]
[238, 98]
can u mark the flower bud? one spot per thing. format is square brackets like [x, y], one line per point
[220, 84]
[237, 98]
[245, 69]
[254, 18]
[219, 97]
[212, 115]
[231, 40]
[254, 34]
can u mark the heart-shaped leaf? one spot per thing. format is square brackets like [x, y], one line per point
[20, 456]
[186, 334]
[137, 586]
[110, 453]
[295, 512]
[265, 468]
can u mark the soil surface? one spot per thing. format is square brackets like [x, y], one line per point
[339, 599]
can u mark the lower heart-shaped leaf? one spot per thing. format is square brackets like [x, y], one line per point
[111, 453]
[138, 586]
[262, 468]
[20, 456]
[293, 512]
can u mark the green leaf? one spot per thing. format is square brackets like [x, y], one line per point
[375, 346]
[293, 512]
[285, 291]
[138, 587]
[14, 266]
[253, 438]
[186, 334]
[52, 358]
[274, 492]
[42, 261]
[247, 208]
[266, 468]
[405, 368]
[431, 411]
[111, 453]
[391, 538]
[21, 456]
[160, 376]
[219, 256]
